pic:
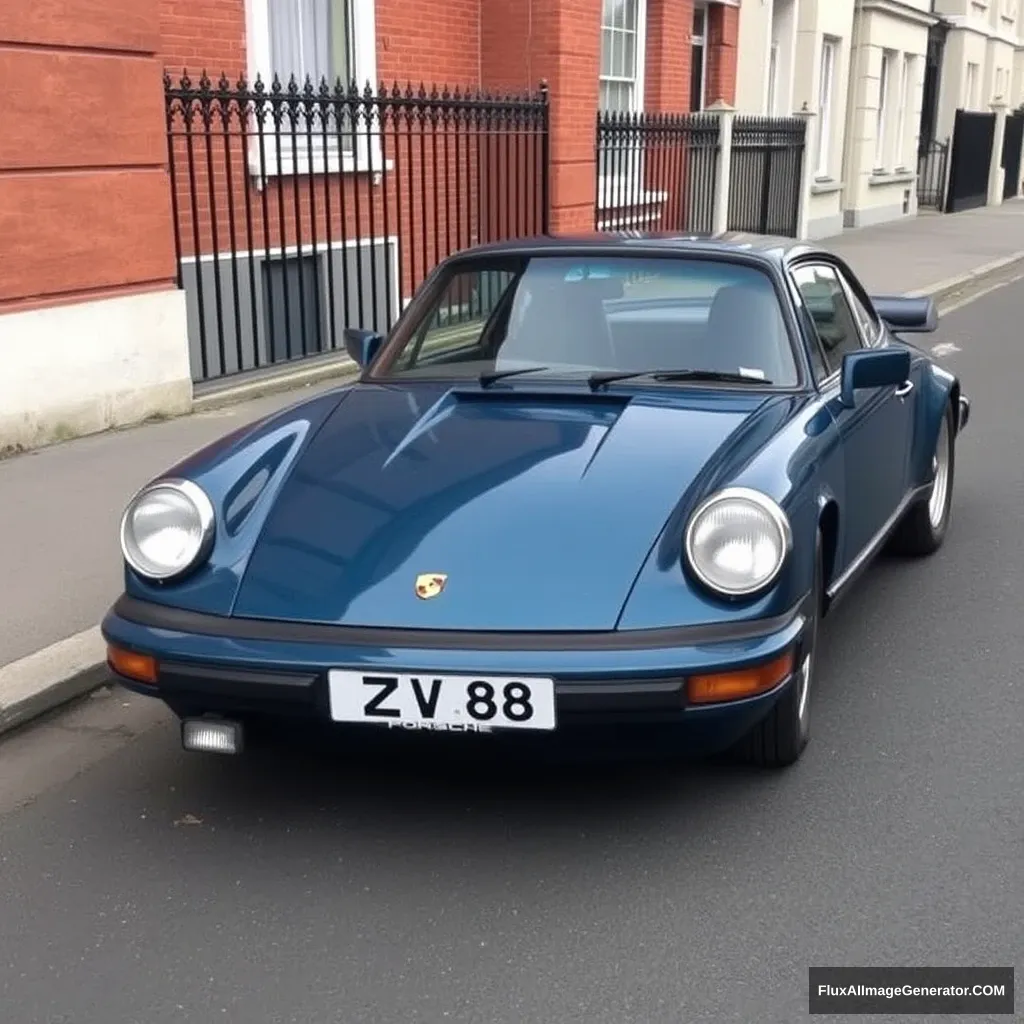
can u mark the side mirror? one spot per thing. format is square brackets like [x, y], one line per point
[362, 346]
[906, 315]
[873, 368]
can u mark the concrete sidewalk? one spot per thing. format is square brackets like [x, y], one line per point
[61, 505]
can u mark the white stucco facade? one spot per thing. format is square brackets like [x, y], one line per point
[121, 360]
[883, 117]
[859, 66]
[983, 62]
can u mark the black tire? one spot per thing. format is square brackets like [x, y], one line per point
[920, 532]
[779, 739]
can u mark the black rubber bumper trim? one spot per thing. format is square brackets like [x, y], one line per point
[177, 620]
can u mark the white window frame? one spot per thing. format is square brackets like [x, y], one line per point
[882, 113]
[826, 90]
[611, 186]
[312, 158]
[701, 40]
[773, 79]
[906, 67]
[970, 86]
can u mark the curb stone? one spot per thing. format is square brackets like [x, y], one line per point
[54, 676]
[72, 668]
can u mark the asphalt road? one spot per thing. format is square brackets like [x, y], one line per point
[140, 884]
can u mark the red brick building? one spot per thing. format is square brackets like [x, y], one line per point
[99, 317]
[667, 56]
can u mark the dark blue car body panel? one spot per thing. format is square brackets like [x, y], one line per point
[554, 510]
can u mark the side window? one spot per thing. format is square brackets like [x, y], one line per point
[866, 318]
[826, 302]
[459, 319]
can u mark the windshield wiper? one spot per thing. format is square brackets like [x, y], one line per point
[493, 375]
[597, 380]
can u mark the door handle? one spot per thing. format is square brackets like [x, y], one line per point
[904, 389]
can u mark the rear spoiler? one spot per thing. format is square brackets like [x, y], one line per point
[906, 315]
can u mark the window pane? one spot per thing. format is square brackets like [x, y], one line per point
[310, 37]
[698, 21]
[833, 319]
[629, 55]
[570, 316]
[631, 15]
[617, 55]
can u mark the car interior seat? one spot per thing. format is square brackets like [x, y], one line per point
[562, 323]
[745, 329]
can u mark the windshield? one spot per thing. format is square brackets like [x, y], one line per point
[556, 316]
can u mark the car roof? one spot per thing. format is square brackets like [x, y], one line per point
[775, 249]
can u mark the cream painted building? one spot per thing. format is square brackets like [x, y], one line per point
[983, 58]
[860, 68]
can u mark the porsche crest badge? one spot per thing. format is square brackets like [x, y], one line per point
[430, 584]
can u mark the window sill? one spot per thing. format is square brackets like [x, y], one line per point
[825, 186]
[298, 164]
[900, 176]
[617, 194]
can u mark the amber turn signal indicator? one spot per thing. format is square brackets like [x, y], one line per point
[139, 667]
[745, 682]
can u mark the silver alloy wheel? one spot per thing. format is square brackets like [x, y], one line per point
[940, 468]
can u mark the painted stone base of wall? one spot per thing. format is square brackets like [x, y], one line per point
[83, 368]
[824, 227]
[868, 216]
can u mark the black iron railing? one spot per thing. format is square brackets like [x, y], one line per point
[302, 209]
[656, 171]
[764, 178]
[932, 165]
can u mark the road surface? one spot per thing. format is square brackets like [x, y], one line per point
[141, 884]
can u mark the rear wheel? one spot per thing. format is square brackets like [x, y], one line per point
[779, 739]
[924, 526]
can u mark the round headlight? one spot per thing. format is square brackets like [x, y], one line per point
[737, 542]
[167, 529]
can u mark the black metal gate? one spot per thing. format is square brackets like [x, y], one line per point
[932, 162]
[1012, 142]
[764, 180]
[970, 158]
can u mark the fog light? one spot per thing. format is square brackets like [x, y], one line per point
[744, 682]
[140, 668]
[211, 736]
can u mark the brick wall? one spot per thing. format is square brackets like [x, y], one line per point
[84, 211]
[723, 37]
[667, 85]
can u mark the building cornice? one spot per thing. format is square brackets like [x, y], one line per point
[898, 9]
[965, 24]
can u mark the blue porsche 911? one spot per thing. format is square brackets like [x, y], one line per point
[584, 486]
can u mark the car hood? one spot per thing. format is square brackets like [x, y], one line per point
[538, 507]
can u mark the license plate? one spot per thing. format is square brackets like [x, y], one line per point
[446, 703]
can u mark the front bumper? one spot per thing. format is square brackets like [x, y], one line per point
[250, 668]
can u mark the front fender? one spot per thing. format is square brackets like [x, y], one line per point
[801, 467]
[242, 473]
[938, 389]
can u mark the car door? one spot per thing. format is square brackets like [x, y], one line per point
[876, 432]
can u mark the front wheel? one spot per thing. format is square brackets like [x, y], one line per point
[779, 739]
[924, 526]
